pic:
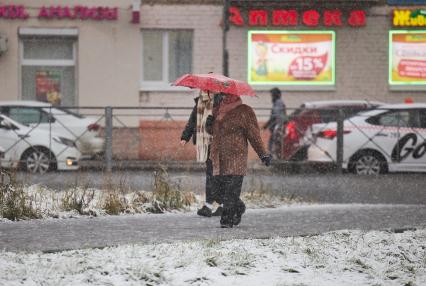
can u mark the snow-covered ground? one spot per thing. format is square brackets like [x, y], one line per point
[335, 258]
[77, 202]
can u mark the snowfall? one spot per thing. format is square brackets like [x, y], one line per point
[348, 257]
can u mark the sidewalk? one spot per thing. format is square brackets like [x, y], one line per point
[51, 235]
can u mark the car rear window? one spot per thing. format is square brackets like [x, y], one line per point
[422, 118]
[329, 113]
[397, 118]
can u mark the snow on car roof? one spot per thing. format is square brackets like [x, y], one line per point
[322, 103]
[386, 107]
[403, 106]
[26, 103]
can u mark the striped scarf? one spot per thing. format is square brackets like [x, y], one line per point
[204, 109]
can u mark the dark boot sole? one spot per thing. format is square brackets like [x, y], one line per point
[204, 215]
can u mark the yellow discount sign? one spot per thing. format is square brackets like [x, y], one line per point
[407, 57]
[291, 58]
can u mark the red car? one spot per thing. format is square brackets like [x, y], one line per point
[294, 145]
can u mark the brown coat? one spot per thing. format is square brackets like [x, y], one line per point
[229, 149]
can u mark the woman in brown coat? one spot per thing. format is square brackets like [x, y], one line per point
[235, 125]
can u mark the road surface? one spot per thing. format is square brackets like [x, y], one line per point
[310, 187]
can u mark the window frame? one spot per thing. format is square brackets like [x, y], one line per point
[71, 33]
[164, 84]
[395, 85]
[296, 85]
[45, 62]
[375, 120]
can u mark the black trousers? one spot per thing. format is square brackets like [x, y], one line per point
[213, 193]
[230, 187]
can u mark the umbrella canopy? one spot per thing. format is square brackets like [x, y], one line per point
[216, 83]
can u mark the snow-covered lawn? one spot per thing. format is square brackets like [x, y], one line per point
[335, 258]
[77, 202]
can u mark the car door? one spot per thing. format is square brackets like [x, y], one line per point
[410, 151]
[65, 123]
[421, 151]
[384, 135]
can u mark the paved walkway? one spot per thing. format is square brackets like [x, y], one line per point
[62, 234]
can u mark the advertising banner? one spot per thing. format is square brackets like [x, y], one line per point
[409, 18]
[48, 86]
[407, 57]
[406, 2]
[291, 58]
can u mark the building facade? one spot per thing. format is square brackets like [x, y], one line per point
[94, 53]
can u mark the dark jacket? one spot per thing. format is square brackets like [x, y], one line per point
[191, 126]
[278, 115]
[229, 149]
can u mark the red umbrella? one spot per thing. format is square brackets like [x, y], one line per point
[216, 83]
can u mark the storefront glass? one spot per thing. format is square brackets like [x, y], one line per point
[407, 58]
[48, 69]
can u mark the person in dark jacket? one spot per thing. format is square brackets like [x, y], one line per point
[234, 125]
[196, 128]
[276, 122]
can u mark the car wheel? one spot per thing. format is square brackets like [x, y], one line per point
[38, 160]
[368, 163]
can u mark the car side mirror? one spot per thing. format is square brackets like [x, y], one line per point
[7, 125]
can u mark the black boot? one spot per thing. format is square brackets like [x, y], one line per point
[241, 208]
[205, 211]
[226, 220]
[218, 211]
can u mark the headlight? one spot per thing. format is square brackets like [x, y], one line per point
[65, 141]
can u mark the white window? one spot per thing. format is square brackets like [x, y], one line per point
[48, 68]
[166, 55]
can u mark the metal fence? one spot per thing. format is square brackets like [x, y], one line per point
[43, 138]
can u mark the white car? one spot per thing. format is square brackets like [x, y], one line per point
[390, 138]
[36, 150]
[85, 131]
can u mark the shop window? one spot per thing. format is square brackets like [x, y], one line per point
[407, 60]
[48, 69]
[166, 55]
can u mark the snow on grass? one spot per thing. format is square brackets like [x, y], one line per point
[335, 258]
[80, 201]
[20, 202]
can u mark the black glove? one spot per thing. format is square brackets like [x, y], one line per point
[209, 120]
[266, 159]
[209, 124]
